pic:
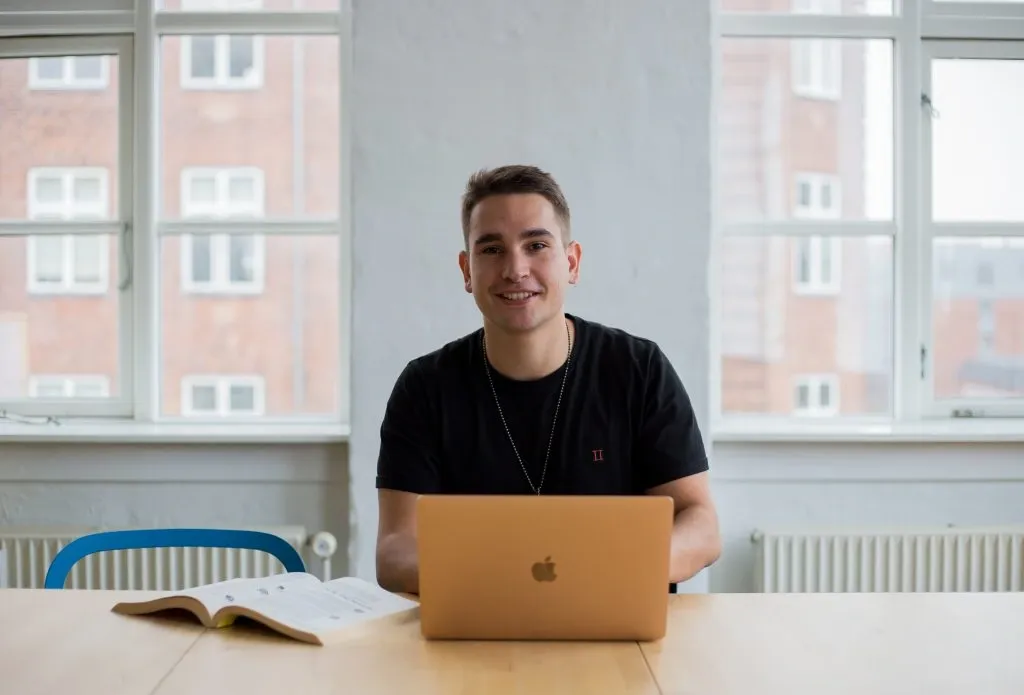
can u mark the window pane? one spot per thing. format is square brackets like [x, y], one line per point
[88, 255]
[68, 326]
[241, 56]
[296, 146]
[202, 191]
[243, 399]
[202, 258]
[204, 398]
[243, 259]
[287, 332]
[49, 190]
[242, 191]
[48, 264]
[203, 57]
[46, 135]
[825, 110]
[87, 190]
[773, 330]
[978, 327]
[976, 148]
[50, 68]
[87, 67]
[847, 7]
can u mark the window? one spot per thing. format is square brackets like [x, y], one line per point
[222, 396]
[817, 196]
[939, 216]
[817, 68]
[817, 265]
[69, 72]
[221, 61]
[222, 262]
[68, 264]
[58, 386]
[816, 396]
[150, 232]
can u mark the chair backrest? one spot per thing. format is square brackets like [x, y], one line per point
[56, 575]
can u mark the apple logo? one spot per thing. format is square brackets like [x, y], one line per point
[544, 571]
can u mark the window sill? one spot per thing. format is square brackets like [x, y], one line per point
[927, 432]
[127, 432]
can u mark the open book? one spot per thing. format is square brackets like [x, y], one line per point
[295, 604]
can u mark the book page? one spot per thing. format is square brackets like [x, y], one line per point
[246, 590]
[322, 607]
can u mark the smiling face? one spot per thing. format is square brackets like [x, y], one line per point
[517, 262]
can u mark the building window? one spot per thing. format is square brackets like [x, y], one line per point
[69, 72]
[817, 68]
[817, 196]
[221, 61]
[817, 265]
[816, 395]
[67, 263]
[222, 396]
[222, 263]
[64, 386]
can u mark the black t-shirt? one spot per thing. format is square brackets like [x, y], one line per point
[625, 423]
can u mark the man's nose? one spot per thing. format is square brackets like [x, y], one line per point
[516, 266]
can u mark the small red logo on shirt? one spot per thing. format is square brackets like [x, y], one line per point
[598, 454]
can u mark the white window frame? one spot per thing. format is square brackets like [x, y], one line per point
[223, 383]
[116, 224]
[977, 403]
[919, 30]
[222, 209]
[136, 31]
[69, 382]
[65, 210]
[68, 80]
[813, 384]
[815, 284]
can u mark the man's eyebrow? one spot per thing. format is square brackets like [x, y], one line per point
[525, 234]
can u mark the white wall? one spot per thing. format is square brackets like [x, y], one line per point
[612, 97]
[174, 485]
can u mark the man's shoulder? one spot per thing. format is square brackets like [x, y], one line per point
[618, 343]
[454, 356]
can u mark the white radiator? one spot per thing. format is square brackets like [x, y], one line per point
[26, 553]
[897, 560]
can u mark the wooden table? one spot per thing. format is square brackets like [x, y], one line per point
[56, 642]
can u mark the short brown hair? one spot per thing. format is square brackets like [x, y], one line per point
[513, 179]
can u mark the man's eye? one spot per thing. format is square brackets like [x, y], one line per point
[537, 246]
[491, 249]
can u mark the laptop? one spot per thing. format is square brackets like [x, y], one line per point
[527, 567]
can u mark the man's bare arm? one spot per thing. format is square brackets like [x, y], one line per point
[397, 562]
[696, 542]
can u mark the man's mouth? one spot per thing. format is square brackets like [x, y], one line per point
[517, 296]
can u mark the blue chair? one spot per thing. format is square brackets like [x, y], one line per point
[56, 575]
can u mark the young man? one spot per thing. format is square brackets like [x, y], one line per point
[537, 401]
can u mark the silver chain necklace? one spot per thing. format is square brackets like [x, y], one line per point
[558, 405]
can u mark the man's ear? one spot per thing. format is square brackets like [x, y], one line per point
[464, 265]
[575, 253]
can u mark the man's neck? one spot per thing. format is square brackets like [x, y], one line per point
[531, 355]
